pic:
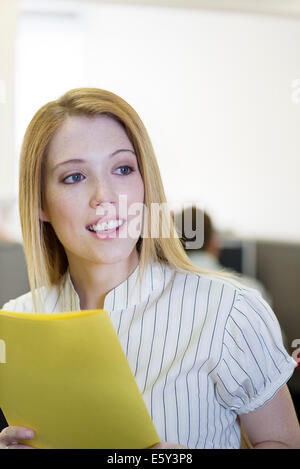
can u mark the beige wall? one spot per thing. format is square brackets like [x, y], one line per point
[229, 114]
[8, 19]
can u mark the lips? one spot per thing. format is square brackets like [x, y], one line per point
[107, 234]
[103, 220]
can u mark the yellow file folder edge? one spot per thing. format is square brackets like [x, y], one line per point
[22, 393]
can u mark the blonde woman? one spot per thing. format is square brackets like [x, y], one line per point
[206, 352]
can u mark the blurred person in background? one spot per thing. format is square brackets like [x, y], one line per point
[207, 257]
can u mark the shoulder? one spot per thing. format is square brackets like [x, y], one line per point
[227, 302]
[21, 304]
[24, 303]
[220, 289]
[214, 299]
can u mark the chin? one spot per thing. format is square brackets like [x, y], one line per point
[112, 257]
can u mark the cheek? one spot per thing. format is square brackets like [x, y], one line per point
[136, 207]
[138, 191]
[62, 208]
[134, 191]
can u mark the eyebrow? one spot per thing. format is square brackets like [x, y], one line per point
[79, 160]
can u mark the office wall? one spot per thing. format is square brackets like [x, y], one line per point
[219, 94]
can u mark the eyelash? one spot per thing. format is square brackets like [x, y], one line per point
[74, 174]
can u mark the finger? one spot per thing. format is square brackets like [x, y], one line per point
[164, 445]
[12, 434]
[19, 447]
[159, 445]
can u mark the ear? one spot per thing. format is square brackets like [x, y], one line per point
[42, 215]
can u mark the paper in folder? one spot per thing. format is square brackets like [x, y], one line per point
[66, 376]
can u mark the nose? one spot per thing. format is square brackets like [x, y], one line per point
[103, 196]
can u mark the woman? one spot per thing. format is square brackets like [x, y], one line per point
[205, 351]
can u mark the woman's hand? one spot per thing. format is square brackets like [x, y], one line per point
[10, 435]
[164, 444]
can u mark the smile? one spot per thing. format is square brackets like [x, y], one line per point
[106, 227]
[107, 234]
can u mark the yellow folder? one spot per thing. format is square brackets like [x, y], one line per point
[66, 376]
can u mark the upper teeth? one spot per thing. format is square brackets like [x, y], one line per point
[106, 226]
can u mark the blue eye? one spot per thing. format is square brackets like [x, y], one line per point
[127, 167]
[71, 175]
[131, 169]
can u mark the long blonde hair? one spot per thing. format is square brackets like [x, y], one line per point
[46, 259]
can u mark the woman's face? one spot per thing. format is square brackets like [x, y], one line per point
[77, 194]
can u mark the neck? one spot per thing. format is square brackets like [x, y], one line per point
[94, 281]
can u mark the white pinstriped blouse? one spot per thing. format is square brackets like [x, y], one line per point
[203, 349]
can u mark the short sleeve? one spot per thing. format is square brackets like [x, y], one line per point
[254, 364]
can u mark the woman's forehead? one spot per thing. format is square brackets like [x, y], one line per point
[96, 125]
[80, 134]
